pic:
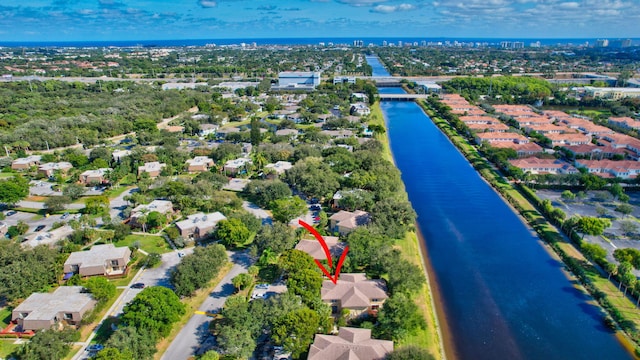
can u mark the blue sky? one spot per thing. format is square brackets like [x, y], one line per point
[71, 20]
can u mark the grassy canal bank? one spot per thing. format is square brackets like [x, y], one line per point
[412, 248]
[586, 275]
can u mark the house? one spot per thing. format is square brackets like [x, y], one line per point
[162, 206]
[625, 122]
[233, 167]
[359, 109]
[117, 155]
[315, 250]
[595, 152]
[40, 311]
[292, 80]
[543, 166]
[497, 127]
[48, 169]
[354, 292]
[568, 139]
[344, 222]
[335, 201]
[338, 134]
[199, 164]
[199, 225]
[222, 133]
[105, 259]
[25, 163]
[152, 168]
[625, 169]
[523, 150]
[279, 167]
[206, 129]
[496, 137]
[349, 344]
[94, 176]
[49, 238]
[290, 133]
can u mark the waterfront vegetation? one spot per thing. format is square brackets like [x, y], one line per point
[595, 274]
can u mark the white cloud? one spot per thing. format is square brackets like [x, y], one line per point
[361, 2]
[207, 3]
[393, 8]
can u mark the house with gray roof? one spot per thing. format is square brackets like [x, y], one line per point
[67, 304]
[354, 292]
[105, 259]
[199, 225]
[315, 250]
[349, 344]
[343, 222]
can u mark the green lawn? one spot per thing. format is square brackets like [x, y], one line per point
[4, 175]
[148, 243]
[7, 347]
[113, 192]
[5, 316]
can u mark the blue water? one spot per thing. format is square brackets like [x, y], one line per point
[503, 295]
[287, 41]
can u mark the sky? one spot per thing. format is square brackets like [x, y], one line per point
[112, 20]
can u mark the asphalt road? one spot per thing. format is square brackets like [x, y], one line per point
[195, 332]
[152, 277]
[118, 204]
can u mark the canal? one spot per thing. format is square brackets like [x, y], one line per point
[502, 294]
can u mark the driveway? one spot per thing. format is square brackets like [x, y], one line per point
[118, 204]
[196, 331]
[40, 205]
[255, 210]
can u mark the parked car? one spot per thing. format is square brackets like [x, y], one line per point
[11, 212]
[262, 286]
[180, 254]
[137, 286]
[64, 216]
[95, 347]
[40, 227]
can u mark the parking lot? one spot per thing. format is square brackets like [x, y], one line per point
[614, 237]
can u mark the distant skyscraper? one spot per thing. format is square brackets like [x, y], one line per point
[384, 42]
[358, 43]
[602, 43]
[423, 43]
[400, 43]
[517, 45]
[535, 44]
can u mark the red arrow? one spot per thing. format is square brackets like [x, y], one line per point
[325, 248]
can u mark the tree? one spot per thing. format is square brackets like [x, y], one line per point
[593, 251]
[232, 232]
[73, 191]
[398, 317]
[256, 137]
[624, 209]
[48, 345]
[110, 353]
[242, 281]
[393, 217]
[120, 231]
[210, 355]
[154, 309]
[410, 352]
[593, 226]
[100, 288]
[295, 331]
[197, 269]
[279, 237]
[263, 192]
[403, 275]
[236, 341]
[13, 190]
[96, 205]
[56, 203]
[130, 341]
[285, 210]
[568, 195]
[628, 227]
[156, 219]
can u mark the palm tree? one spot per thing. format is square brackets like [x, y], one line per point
[258, 158]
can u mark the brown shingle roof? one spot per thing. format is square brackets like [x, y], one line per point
[354, 290]
[349, 344]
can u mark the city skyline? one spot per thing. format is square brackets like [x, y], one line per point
[100, 20]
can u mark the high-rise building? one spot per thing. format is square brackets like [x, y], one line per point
[602, 43]
[358, 43]
[384, 43]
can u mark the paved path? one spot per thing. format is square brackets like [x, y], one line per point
[40, 205]
[117, 204]
[196, 331]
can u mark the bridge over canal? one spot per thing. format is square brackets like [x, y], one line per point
[402, 97]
